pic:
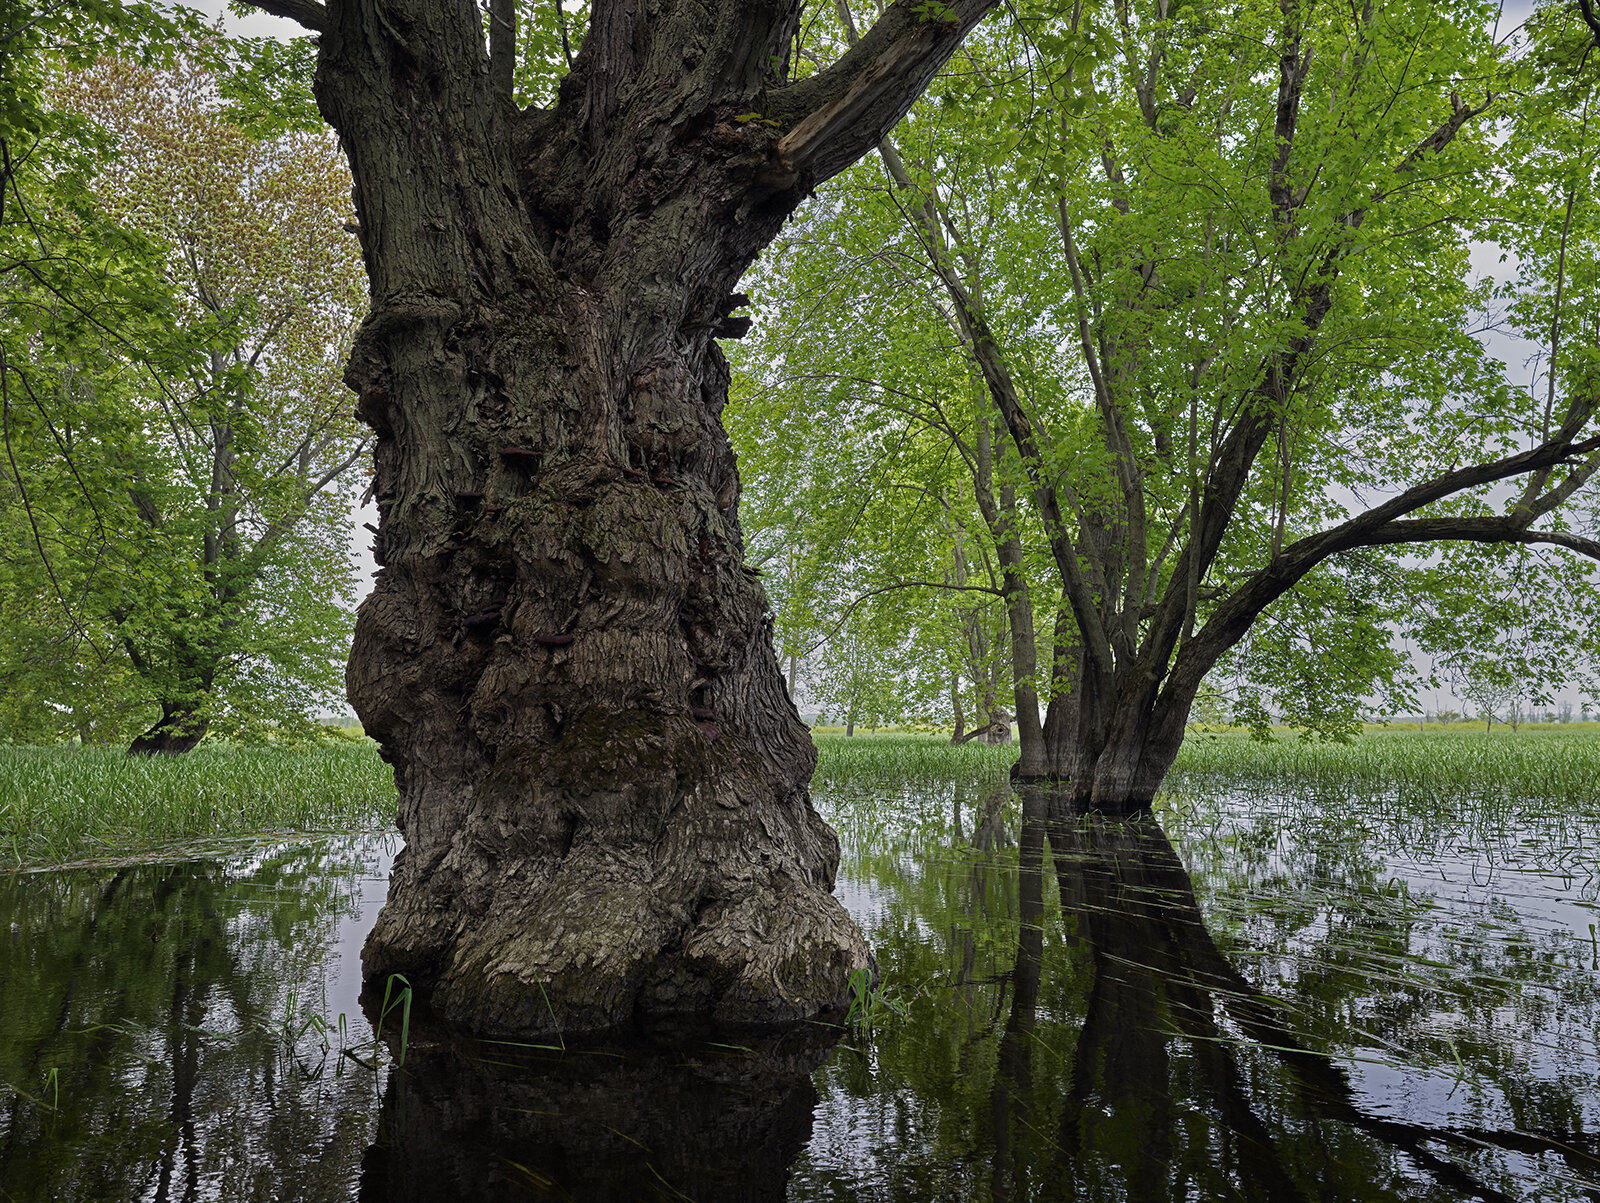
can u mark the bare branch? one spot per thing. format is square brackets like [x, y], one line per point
[942, 586]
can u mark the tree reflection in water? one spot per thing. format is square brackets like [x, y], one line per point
[1072, 1029]
[712, 1122]
[1211, 1116]
[142, 1015]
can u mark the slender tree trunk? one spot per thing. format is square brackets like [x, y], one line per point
[1000, 515]
[957, 736]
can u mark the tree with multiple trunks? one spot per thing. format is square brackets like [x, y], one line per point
[1213, 270]
[602, 780]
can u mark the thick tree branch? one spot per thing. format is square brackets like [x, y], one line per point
[1589, 19]
[839, 114]
[1382, 525]
[1479, 530]
[309, 13]
[502, 45]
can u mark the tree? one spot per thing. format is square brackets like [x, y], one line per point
[861, 675]
[602, 782]
[73, 285]
[189, 486]
[900, 475]
[1231, 301]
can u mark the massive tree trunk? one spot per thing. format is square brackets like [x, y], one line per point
[602, 778]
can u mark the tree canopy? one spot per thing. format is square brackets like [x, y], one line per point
[1213, 271]
[178, 440]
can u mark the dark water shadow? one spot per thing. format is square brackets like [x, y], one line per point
[712, 1120]
[1166, 1083]
[151, 1038]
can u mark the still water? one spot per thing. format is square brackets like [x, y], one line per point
[1246, 996]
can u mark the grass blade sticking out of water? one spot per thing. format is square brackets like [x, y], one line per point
[908, 759]
[71, 803]
[402, 1000]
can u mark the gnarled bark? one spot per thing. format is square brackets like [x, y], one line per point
[602, 778]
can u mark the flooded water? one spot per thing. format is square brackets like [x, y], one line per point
[1243, 997]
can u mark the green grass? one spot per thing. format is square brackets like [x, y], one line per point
[1557, 764]
[1551, 764]
[68, 804]
[907, 758]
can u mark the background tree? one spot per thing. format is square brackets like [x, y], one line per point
[190, 486]
[859, 680]
[1509, 627]
[73, 284]
[852, 373]
[1225, 311]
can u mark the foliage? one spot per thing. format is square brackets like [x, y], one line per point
[176, 483]
[864, 459]
[548, 39]
[1213, 268]
[907, 759]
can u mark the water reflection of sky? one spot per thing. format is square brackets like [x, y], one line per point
[1380, 1003]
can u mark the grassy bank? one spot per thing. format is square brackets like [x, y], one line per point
[1556, 764]
[1559, 764]
[66, 804]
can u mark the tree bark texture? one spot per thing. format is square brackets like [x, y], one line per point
[602, 777]
[179, 729]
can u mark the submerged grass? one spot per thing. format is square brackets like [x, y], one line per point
[66, 804]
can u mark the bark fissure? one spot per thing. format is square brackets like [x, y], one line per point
[602, 776]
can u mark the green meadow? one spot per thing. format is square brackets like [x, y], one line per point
[65, 804]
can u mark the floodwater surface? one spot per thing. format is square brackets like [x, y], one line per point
[1243, 996]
